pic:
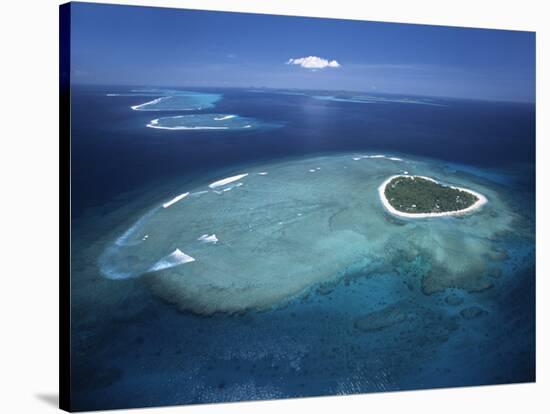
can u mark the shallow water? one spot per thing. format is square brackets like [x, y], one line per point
[310, 287]
[297, 224]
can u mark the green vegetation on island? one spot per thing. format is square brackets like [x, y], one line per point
[415, 195]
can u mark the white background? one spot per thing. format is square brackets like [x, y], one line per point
[29, 203]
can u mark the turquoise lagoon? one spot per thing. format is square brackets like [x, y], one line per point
[265, 235]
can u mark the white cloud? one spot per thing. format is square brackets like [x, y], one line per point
[313, 62]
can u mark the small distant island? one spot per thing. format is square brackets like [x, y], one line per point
[418, 196]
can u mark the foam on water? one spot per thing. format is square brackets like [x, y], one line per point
[228, 180]
[376, 156]
[333, 225]
[125, 238]
[206, 122]
[208, 238]
[175, 200]
[176, 258]
[146, 105]
[136, 94]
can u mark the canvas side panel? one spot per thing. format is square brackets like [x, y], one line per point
[64, 206]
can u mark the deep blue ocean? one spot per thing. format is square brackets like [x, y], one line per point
[131, 349]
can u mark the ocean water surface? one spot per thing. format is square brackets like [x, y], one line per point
[214, 262]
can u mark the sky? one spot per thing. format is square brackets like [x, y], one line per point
[124, 45]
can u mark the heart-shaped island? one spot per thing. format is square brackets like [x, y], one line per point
[417, 196]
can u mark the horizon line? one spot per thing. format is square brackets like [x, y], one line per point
[532, 102]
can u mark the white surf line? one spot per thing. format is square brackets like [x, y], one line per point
[205, 238]
[175, 200]
[181, 128]
[263, 173]
[223, 118]
[227, 180]
[481, 199]
[123, 239]
[377, 156]
[155, 124]
[383, 156]
[153, 102]
[177, 257]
